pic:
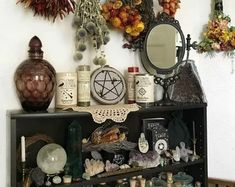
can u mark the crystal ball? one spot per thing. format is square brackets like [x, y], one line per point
[51, 158]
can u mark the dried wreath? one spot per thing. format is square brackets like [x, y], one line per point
[50, 8]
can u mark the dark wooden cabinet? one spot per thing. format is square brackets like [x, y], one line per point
[55, 124]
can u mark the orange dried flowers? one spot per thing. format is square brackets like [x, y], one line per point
[123, 17]
[170, 6]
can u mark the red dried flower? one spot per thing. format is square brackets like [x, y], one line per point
[50, 9]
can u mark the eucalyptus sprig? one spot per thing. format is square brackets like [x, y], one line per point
[90, 27]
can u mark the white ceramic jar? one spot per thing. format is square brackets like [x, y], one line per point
[144, 87]
[66, 89]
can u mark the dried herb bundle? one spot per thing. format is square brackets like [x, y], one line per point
[50, 8]
[90, 26]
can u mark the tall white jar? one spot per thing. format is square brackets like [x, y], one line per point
[83, 74]
[66, 89]
[144, 90]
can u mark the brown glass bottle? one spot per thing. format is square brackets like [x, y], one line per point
[35, 79]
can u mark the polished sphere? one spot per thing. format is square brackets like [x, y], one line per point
[51, 158]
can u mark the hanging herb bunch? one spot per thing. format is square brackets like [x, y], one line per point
[50, 9]
[90, 27]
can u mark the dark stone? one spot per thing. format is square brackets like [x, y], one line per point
[188, 87]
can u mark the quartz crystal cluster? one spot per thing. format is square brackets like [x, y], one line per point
[93, 167]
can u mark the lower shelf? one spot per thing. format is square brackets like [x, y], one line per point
[144, 172]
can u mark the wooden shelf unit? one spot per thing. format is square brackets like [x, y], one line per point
[54, 123]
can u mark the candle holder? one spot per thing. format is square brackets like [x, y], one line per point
[23, 167]
[194, 140]
[194, 156]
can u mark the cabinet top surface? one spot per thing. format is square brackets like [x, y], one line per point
[14, 114]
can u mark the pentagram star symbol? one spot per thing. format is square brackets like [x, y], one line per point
[109, 84]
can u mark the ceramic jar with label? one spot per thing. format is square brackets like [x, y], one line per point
[66, 90]
[144, 90]
[83, 74]
[132, 71]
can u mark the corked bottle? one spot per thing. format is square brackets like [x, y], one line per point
[35, 79]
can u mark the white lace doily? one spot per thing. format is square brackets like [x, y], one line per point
[100, 113]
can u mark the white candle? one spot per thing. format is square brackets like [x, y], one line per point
[22, 148]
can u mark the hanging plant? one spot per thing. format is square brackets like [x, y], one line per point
[50, 9]
[90, 27]
[219, 36]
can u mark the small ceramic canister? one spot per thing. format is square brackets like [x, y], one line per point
[144, 88]
[132, 71]
[67, 179]
[66, 89]
[133, 182]
[83, 76]
[142, 182]
[169, 177]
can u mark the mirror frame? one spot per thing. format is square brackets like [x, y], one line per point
[162, 18]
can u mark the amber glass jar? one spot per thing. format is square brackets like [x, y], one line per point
[35, 79]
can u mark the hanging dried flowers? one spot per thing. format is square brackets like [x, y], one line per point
[145, 9]
[90, 27]
[219, 36]
[170, 6]
[50, 8]
[124, 16]
[133, 17]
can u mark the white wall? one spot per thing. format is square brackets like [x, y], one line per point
[17, 26]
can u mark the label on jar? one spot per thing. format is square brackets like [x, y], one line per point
[83, 86]
[144, 88]
[66, 92]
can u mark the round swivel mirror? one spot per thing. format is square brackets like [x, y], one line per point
[164, 46]
[163, 51]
